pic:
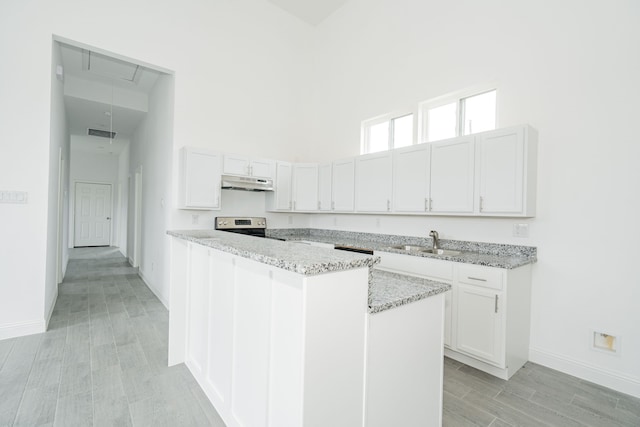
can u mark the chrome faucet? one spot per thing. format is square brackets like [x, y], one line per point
[436, 240]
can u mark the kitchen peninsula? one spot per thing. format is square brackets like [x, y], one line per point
[281, 334]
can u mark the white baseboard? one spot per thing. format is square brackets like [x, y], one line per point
[12, 330]
[161, 297]
[604, 377]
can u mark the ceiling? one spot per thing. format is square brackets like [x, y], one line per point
[84, 112]
[310, 11]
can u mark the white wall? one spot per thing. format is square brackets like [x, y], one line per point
[123, 200]
[94, 168]
[241, 71]
[568, 68]
[58, 171]
[152, 150]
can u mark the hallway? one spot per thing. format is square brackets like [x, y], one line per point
[103, 361]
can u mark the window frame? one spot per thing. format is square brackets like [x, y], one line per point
[458, 98]
[366, 125]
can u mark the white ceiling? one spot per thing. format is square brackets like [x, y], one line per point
[311, 11]
[86, 113]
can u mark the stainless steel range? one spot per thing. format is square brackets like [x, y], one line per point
[251, 226]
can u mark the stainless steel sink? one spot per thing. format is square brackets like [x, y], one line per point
[411, 248]
[441, 252]
[425, 249]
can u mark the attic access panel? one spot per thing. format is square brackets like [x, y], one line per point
[110, 67]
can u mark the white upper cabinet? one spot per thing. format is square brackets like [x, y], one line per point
[200, 172]
[343, 184]
[506, 160]
[411, 166]
[324, 186]
[373, 182]
[280, 199]
[264, 168]
[245, 166]
[452, 176]
[305, 187]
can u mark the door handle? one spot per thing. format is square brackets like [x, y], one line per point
[108, 218]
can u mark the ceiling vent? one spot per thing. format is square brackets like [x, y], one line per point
[101, 133]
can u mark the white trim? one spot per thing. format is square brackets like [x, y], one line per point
[615, 380]
[12, 330]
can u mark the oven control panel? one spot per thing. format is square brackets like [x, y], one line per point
[231, 223]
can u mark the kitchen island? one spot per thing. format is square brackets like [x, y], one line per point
[279, 334]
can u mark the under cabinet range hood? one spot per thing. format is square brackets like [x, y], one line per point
[246, 183]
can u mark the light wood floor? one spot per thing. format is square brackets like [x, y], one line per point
[103, 362]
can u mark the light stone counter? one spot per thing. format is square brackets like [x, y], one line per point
[390, 290]
[308, 260]
[477, 253]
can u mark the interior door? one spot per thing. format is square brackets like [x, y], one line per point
[92, 214]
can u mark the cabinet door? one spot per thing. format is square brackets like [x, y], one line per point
[452, 176]
[324, 187]
[251, 339]
[198, 309]
[283, 186]
[305, 187]
[236, 165]
[343, 183]
[501, 160]
[480, 323]
[373, 183]
[222, 274]
[200, 176]
[262, 168]
[411, 167]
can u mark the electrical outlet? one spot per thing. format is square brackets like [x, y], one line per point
[521, 230]
[290, 219]
[195, 219]
[335, 220]
[377, 222]
[606, 342]
[153, 265]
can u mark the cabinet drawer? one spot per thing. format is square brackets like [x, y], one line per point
[486, 277]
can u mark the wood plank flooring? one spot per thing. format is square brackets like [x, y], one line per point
[103, 362]
[534, 396]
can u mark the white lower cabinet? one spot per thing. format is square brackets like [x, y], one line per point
[268, 346]
[480, 324]
[404, 372]
[487, 316]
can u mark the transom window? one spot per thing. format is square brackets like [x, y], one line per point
[387, 132]
[446, 117]
[455, 116]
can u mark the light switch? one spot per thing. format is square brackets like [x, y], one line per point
[15, 197]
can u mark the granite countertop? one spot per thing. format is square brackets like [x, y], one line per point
[389, 290]
[286, 255]
[486, 254]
